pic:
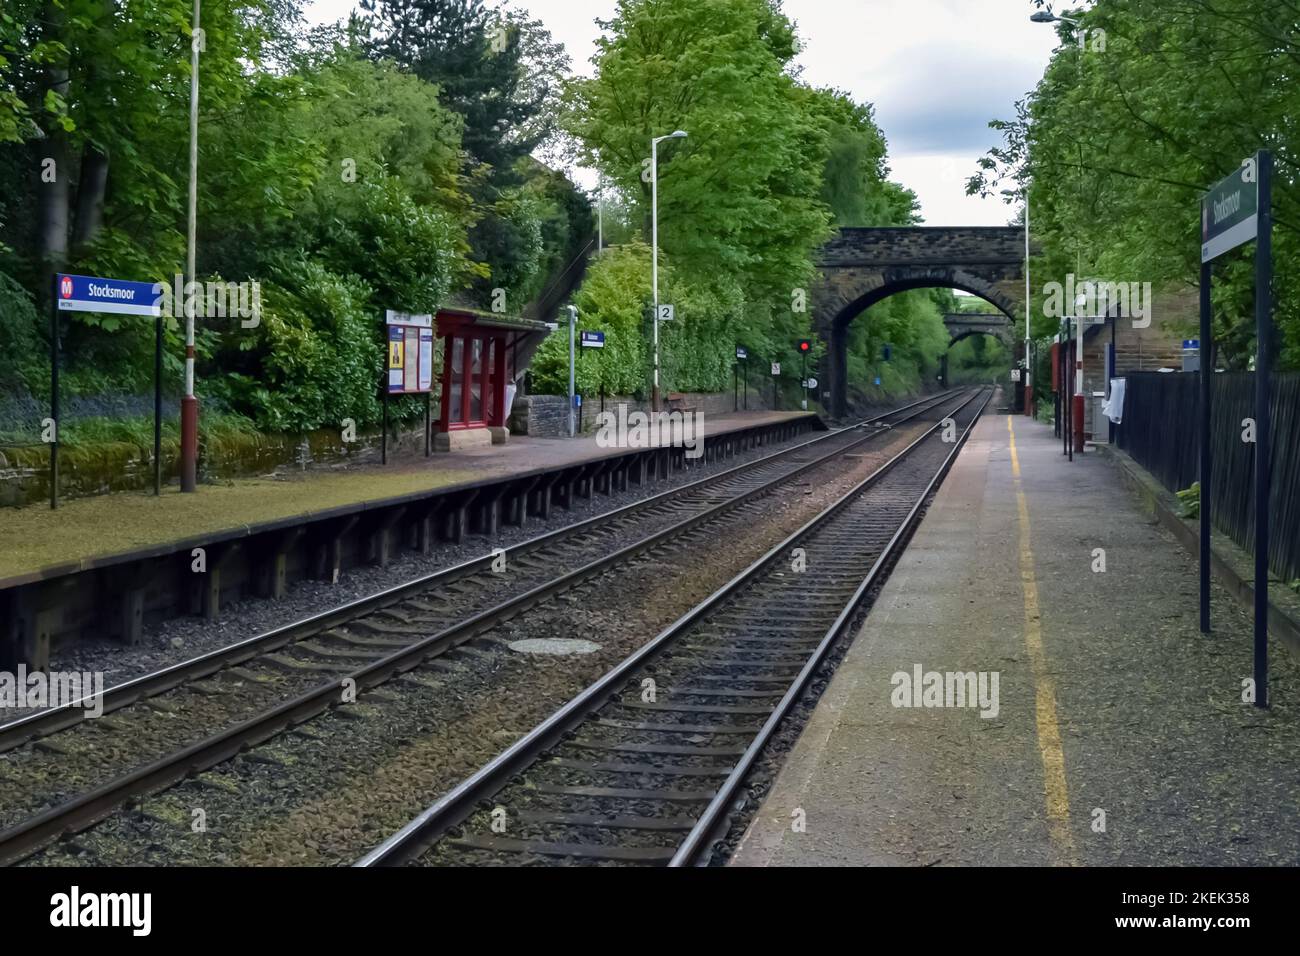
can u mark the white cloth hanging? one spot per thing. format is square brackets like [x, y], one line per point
[1113, 407]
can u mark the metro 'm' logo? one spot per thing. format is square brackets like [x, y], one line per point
[65, 287]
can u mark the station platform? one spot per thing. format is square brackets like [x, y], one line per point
[108, 568]
[36, 542]
[1117, 735]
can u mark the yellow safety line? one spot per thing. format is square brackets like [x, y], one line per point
[1049, 733]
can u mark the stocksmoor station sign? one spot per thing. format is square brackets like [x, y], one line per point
[1237, 210]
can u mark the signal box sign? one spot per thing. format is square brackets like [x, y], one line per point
[410, 353]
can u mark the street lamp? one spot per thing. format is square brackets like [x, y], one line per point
[654, 242]
[1028, 383]
[190, 403]
[1047, 16]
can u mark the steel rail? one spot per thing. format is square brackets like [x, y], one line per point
[88, 808]
[43, 723]
[461, 801]
[712, 823]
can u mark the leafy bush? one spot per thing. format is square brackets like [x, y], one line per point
[20, 352]
[405, 252]
[314, 359]
[613, 299]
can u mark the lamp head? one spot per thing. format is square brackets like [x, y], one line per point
[1043, 16]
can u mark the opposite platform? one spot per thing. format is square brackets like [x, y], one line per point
[112, 566]
[1117, 734]
[84, 533]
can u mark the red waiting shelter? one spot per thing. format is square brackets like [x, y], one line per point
[482, 355]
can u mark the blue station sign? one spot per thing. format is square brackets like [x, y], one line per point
[593, 340]
[93, 294]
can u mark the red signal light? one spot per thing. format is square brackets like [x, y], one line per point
[805, 345]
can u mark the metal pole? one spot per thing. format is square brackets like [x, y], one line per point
[745, 376]
[1078, 409]
[157, 402]
[1111, 366]
[735, 386]
[1028, 366]
[190, 404]
[654, 265]
[1263, 415]
[54, 392]
[600, 216]
[1074, 407]
[573, 324]
[1064, 362]
[428, 422]
[383, 439]
[1207, 331]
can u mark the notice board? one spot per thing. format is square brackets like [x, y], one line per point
[410, 353]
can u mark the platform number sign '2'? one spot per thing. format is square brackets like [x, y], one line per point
[667, 312]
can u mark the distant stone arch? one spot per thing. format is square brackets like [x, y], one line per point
[860, 267]
[962, 325]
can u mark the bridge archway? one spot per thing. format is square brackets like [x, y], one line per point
[962, 325]
[860, 267]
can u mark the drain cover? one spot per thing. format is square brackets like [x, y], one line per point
[559, 646]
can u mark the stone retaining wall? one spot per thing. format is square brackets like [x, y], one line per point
[121, 466]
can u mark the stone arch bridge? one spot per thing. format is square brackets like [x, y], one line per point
[962, 325]
[859, 267]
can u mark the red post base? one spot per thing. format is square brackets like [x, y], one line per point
[189, 443]
[1077, 415]
[1029, 401]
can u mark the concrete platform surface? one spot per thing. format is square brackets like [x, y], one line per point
[1118, 733]
[35, 538]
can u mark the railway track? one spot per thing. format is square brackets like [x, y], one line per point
[370, 641]
[646, 765]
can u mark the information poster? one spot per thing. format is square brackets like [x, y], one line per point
[426, 359]
[410, 353]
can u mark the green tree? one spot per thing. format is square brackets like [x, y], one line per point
[738, 197]
[855, 182]
[1144, 106]
[480, 63]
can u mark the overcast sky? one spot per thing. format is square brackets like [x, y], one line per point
[936, 70]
